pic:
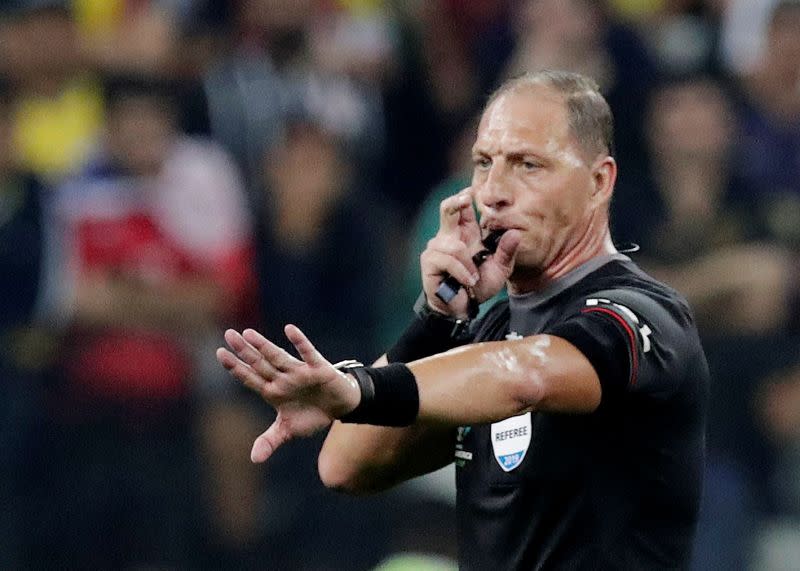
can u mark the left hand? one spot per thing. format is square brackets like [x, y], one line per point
[307, 394]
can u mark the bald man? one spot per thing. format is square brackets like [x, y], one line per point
[574, 410]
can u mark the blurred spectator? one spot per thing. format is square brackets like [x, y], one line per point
[268, 73]
[769, 157]
[779, 404]
[58, 107]
[450, 56]
[779, 408]
[24, 348]
[743, 32]
[155, 253]
[320, 267]
[701, 241]
[21, 226]
[740, 290]
[464, 45]
[135, 36]
[683, 34]
[164, 39]
[353, 38]
[317, 246]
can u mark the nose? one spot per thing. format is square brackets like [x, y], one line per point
[494, 191]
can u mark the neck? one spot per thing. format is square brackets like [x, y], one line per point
[595, 241]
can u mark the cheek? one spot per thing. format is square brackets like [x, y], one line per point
[565, 216]
[548, 214]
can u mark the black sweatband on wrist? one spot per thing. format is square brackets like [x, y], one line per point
[428, 334]
[389, 396]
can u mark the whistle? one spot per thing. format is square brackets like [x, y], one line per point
[450, 287]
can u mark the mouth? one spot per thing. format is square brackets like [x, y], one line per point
[491, 226]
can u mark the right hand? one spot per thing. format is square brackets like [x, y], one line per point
[308, 393]
[451, 251]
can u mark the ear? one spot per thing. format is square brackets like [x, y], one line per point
[604, 176]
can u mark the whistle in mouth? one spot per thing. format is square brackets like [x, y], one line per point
[450, 287]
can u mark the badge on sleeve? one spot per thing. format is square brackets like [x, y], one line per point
[510, 440]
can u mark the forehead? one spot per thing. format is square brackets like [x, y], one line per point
[530, 116]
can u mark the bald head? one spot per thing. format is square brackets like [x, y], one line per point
[588, 114]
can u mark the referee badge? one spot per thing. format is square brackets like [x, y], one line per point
[510, 440]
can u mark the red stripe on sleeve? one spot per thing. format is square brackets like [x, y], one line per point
[631, 338]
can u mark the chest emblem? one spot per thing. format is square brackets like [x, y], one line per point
[510, 440]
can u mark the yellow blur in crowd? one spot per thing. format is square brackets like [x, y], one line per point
[52, 133]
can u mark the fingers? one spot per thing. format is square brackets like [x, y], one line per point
[305, 348]
[456, 210]
[276, 356]
[241, 370]
[249, 354]
[435, 262]
[255, 361]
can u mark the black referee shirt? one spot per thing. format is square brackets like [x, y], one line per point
[615, 489]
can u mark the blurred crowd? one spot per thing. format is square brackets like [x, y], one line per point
[171, 168]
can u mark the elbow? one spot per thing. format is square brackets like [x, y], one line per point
[555, 392]
[556, 378]
[340, 476]
[334, 474]
[528, 392]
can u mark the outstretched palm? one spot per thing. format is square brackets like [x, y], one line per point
[307, 394]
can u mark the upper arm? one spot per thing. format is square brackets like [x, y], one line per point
[633, 341]
[564, 380]
[489, 381]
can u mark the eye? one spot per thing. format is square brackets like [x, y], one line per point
[482, 162]
[530, 165]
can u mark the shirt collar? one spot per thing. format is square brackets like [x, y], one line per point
[534, 299]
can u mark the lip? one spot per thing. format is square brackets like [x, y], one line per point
[494, 225]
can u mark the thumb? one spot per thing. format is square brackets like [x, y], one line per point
[507, 250]
[269, 441]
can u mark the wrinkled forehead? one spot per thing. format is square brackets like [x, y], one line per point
[533, 113]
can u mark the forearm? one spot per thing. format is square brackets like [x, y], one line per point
[473, 384]
[476, 384]
[362, 459]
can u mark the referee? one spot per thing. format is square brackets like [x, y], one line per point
[574, 410]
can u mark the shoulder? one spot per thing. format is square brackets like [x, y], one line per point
[625, 286]
[638, 333]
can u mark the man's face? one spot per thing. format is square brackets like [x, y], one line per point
[531, 175]
[140, 133]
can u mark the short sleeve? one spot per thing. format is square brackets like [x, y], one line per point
[631, 340]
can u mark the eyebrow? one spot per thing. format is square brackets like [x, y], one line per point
[514, 155]
[519, 155]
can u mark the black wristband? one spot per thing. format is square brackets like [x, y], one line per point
[428, 334]
[389, 396]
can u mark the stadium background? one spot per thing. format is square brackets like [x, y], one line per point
[172, 168]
